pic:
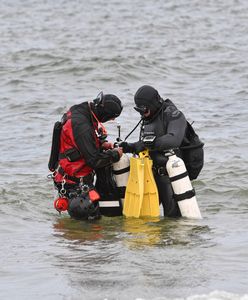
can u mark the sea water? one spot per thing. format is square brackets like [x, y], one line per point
[54, 54]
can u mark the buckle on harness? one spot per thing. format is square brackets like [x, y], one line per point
[63, 190]
[161, 171]
[84, 187]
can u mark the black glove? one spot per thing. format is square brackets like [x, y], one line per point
[132, 147]
[138, 147]
[127, 147]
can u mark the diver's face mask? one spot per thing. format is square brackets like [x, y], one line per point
[143, 110]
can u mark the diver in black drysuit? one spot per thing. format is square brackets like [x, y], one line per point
[161, 119]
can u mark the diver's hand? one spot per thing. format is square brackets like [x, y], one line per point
[106, 145]
[119, 150]
[139, 146]
[132, 147]
[127, 147]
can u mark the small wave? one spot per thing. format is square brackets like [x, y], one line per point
[215, 295]
[218, 295]
[38, 53]
[16, 82]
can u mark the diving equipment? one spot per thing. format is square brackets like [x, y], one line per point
[150, 204]
[121, 173]
[184, 193]
[135, 188]
[141, 197]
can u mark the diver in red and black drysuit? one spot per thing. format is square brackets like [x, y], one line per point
[82, 149]
[162, 120]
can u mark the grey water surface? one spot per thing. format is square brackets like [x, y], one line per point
[54, 54]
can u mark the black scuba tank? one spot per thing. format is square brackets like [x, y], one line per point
[54, 154]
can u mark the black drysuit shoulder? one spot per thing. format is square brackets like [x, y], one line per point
[85, 138]
[170, 111]
[174, 124]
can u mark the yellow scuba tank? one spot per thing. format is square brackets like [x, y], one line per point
[184, 193]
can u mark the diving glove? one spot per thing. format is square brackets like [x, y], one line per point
[132, 147]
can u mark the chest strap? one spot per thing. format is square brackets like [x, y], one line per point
[72, 155]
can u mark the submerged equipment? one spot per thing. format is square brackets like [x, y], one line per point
[110, 197]
[82, 208]
[184, 193]
[141, 197]
[61, 204]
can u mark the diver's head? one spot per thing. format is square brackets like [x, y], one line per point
[147, 100]
[107, 107]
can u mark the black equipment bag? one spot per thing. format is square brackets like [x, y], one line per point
[54, 155]
[108, 191]
[192, 152]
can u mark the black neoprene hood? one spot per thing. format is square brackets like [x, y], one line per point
[147, 96]
[112, 105]
[109, 108]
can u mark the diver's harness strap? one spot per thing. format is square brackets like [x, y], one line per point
[161, 171]
[180, 176]
[121, 171]
[88, 179]
[71, 154]
[186, 195]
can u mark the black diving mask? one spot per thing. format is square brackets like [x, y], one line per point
[141, 109]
